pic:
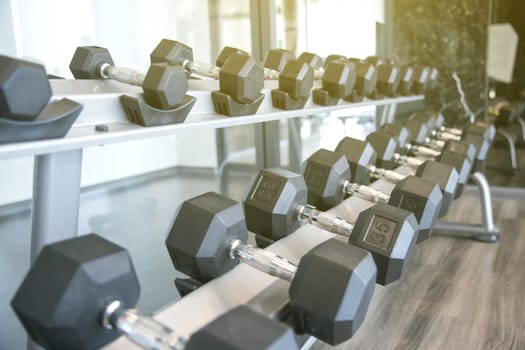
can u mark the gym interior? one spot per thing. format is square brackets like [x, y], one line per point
[263, 174]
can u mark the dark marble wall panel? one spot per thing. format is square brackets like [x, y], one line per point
[451, 35]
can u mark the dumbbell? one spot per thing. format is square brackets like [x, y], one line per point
[452, 151]
[407, 80]
[26, 113]
[419, 132]
[327, 177]
[402, 136]
[276, 59]
[275, 204]
[388, 76]
[91, 288]
[337, 83]
[338, 76]
[366, 74]
[178, 53]
[330, 289]
[388, 157]
[422, 78]
[435, 122]
[312, 59]
[24, 89]
[366, 79]
[164, 85]
[361, 157]
[295, 77]
[241, 78]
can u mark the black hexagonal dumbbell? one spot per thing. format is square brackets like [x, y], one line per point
[164, 85]
[208, 238]
[419, 147]
[90, 290]
[337, 83]
[275, 205]
[327, 176]
[435, 122]
[295, 77]
[362, 157]
[422, 78]
[479, 134]
[24, 89]
[366, 79]
[406, 81]
[241, 78]
[388, 156]
[26, 110]
[388, 77]
[453, 152]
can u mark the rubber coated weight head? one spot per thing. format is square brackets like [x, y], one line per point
[463, 148]
[421, 197]
[388, 79]
[407, 78]
[481, 144]
[24, 89]
[333, 58]
[226, 52]
[297, 79]
[331, 291]
[421, 79]
[385, 147]
[325, 173]
[418, 130]
[276, 59]
[171, 51]
[376, 60]
[311, 58]
[270, 203]
[339, 78]
[399, 132]
[488, 131]
[491, 133]
[67, 288]
[360, 156]
[199, 238]
[445, 176]
[425, 116]
[366, 78]
[242, 328]
[390, 234]
[439, 120]
[165, 85]
[87, 60]
[242, 78]
[433, 78]
[462, 165]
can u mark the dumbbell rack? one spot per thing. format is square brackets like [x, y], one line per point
[245, 285]
[58, 162]
[58, 167]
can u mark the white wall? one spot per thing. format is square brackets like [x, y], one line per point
[339, 27]
[49, 31]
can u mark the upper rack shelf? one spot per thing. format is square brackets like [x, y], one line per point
[100, 99]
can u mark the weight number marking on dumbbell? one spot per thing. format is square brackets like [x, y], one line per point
[381, 232]
[315, 176]
[267, 190]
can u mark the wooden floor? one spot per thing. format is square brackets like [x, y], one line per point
[457, 293]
